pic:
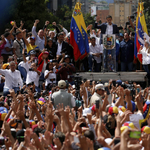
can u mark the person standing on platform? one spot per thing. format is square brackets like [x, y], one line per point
[96, 52]
[107, 28]
[145, 51]
[126, 55]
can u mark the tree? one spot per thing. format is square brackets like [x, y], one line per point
[29, 10]
[147, 13]
[26, 10]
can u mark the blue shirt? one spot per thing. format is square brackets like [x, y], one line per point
[126, 51]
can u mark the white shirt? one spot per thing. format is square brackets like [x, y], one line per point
[59, 48]
[9, 45]
[38, 41]
[96, 49]
[65, 30]
[109, 29]
[44, 66]
[51, 76]
[27, 65]
[145, 56]
[12, 79]
[32, 76]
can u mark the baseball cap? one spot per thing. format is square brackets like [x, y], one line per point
[99, 86]
[119, 82]
[46, 52]
[146, 129]
[5, 65]
[32, 37]
[32, 52]
[61, 84]
[67, 56]
[120, 34]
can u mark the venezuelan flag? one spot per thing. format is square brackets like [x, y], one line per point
[135, 37]
[146, 110]
[141, 29]
[78, 36]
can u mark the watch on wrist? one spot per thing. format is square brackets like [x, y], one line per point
[23, 146]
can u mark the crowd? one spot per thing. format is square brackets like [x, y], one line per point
[45, 106]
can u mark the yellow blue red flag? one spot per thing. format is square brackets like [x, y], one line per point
[142, 28]
[78, 36]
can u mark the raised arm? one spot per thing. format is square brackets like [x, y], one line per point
[34, 28]
[65, 30]
[131, 23]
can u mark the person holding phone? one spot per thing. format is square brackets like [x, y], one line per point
[99, 92]
[33, 75]
[50, 75]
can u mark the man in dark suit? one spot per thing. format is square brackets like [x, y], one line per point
[61, 47]
[107, 28]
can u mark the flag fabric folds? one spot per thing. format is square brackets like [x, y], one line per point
[135, 37]
[142, 28]
[78, 36]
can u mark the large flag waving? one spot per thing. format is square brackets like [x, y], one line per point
[135, 37]
[78, 36]
[142, 28]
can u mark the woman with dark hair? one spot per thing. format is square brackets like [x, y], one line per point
[50, 46]
[50, 75]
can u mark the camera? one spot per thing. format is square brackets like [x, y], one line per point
[130, 87]
[120, 28]
[19, 59]
[30, 69]
[127, 23]
[37, 95]
[78, 81]
[52, 80]
[132, 17]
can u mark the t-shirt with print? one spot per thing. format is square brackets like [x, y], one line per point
[18, 45]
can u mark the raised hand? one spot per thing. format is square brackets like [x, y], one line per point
[54, 23]
[37, 21]
[1, 59]
[60, 108]
[46, 23]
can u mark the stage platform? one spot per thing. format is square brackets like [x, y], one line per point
[106, 76]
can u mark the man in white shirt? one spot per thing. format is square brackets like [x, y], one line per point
[13, 79]
[96, 52]
[33, 75]
[107, 28]
[61, 45]
[39, 38]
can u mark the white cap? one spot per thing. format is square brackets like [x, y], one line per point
[99, 86]
[86, 111]
[61, 84]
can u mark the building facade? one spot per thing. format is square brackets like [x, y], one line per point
[120, 10]
[53, 5]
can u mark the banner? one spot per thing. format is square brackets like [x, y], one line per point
[93, 10]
